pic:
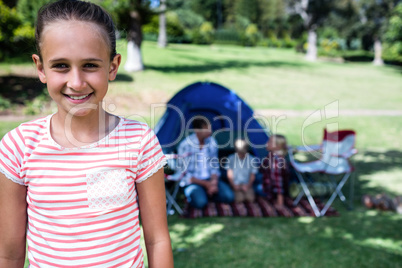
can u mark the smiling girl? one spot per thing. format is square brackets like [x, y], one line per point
[74, 184]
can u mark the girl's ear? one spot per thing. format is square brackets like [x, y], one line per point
[39, 68]
[114, 66]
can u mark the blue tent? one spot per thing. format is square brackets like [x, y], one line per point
[229, 115]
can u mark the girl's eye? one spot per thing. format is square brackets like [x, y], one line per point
[90, 65]
[60, 66]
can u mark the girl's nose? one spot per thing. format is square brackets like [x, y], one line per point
[76, 80]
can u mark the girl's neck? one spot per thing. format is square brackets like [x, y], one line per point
[73, 131]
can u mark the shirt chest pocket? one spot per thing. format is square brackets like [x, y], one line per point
[107, 189]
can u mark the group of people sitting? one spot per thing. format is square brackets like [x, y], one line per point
[201, 167]
[202, 178]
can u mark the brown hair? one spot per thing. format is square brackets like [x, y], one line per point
[280, 140]
[199, 122]
[75, 10]
[279, 143]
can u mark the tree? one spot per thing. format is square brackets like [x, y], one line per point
[393, 35]
[139, 12]
[344, 18]
[162, 37]
[374, 15]
[207, 9]
[9, 21]
[10, 3]
[130, 15]
[248, 9]
[313, 13]
[272, 16]
[188, 19]
[28, 10]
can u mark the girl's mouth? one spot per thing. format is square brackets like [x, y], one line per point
[79, 98]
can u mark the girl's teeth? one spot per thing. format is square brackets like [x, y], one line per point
[79, 97]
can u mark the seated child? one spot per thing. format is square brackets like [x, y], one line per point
[383, 202]
[241, 169]
[274, 169]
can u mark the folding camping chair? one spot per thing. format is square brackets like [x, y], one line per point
[336, 149]
[172, 177]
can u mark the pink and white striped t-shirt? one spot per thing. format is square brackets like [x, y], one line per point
[82, 202]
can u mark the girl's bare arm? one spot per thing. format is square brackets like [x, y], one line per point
[152, 201]
[13, 222]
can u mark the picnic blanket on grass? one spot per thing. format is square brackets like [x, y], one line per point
[260, 208]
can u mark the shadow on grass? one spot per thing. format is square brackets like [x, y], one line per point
[350, 240]
[123, 78]
[353, 239]
[372, 163]
[204, 65]
[18, 89]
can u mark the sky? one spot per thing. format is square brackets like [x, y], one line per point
[154, 3]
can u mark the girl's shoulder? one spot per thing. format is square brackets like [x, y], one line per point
[39, 123]
[135, 129]
[30, 128]
[132, 124]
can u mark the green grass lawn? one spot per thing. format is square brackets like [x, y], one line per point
[267, 78]
[281, 79]
[357, 238]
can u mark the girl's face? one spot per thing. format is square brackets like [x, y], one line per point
[76, 66]
[275, 144]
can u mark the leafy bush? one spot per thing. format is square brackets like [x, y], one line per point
[329, 48]
[150, 36]
[27, 10]
[251, 35]
[394, 31]
[203, 35]
[152, 27]
[227, 36]
[392, 49]
[4, 103]
[9, 21]
[288, 42]
[174, 29]
[358, 55]
[17, 33]
[189, 20]
[392, 53]
[355, 44]
[241, 22]
[328, 32]
[301, 43]
[24, 33]
[273, 41]
[37, 105]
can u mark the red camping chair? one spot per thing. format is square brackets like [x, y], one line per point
[334, 153]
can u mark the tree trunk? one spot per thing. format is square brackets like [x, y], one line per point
[301, 8]
[162, 38]
[134, 58]
[378, 53]
[312, 45]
